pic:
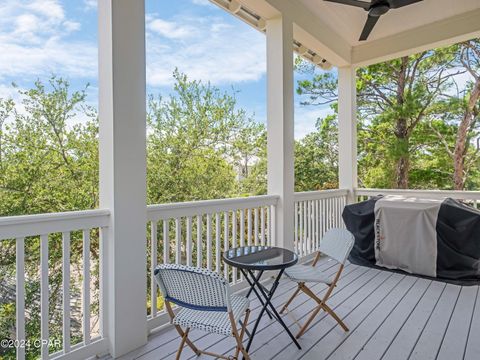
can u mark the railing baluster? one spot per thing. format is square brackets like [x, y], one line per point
[300, 228]
[178, 241]
[103, 271]
[242, 232]
[20, 295]
[66, 290]
[337, 200]
[329, 205]
[249, 227]
[225, 243]
[309, 224]
[317, 222]
[324, 216]
[209, 241]
[44, 295]
[262, 226]
[153, 283]
[218, 244]
[273, 224]
[255, 225]
[166, 242]
[86, 287]
[305, 229]
[335, 204]
[273, 210]
[295, 221]
[234, 242]
[313, 240]
[269, 227]
[189, 240]
[242, 227]
[199, 241]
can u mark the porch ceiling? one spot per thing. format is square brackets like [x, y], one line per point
[332, 30]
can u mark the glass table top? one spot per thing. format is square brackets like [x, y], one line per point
[260, 257]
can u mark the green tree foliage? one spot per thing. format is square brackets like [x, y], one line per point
[316, 157]
[197, 142]
[417, 127]
[48, 164]
[199, 146]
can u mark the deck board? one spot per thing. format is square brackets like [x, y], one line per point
[403, 344]
[429, 341]
[455, 339]
[359, 337]
[266, 325]
[472, 352]
[391, 316]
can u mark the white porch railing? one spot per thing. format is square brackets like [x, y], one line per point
[193, 233]
[196, 233]
[315, 213]
[469, 197]
[48, 229]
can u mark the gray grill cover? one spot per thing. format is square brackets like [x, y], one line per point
[458, 239]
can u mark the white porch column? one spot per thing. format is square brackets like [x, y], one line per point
[280, 131]
[123, 169]
[347, 130]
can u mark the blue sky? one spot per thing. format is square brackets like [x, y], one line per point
[41, 37]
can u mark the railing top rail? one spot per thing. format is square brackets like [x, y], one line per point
[321, 194]
[42, 224]
[192, 208]
[456, 194]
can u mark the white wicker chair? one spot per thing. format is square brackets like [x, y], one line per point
[336, 244]
[205, 303]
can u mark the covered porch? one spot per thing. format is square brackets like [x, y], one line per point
[391, 316]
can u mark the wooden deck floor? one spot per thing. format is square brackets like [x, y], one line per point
[390, 316]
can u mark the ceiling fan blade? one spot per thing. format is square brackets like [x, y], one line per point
[395, 4]
[367, 29]
[363, 4]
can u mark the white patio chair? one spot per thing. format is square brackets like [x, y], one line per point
[336, 244]
[205, 303]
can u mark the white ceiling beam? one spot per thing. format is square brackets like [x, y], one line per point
[438, 34]
[307, 28]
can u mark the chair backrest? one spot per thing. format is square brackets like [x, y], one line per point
[337, 244]
[193, 287]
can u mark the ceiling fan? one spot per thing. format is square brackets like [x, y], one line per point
[375, 8]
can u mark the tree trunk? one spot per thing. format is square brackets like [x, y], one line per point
[402, 165]
[402, 157]
[461, 144]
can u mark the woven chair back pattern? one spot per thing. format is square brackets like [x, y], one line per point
[337, 244]
[193, 287]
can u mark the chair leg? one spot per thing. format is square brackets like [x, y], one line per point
[238, 338]
[182, 343]
[308, 322]
[289, 301]
[180, 331]
[335, 316]
[321, 305]
[190, 344]
[242, 332]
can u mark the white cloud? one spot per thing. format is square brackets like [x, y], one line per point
[49, 8]
[90, 4]
[215, 51]
[202, 2]
[35, 40]
[26, 23]
[306, 118]
[170, 29]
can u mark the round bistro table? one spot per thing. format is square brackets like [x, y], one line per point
[251, 259]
